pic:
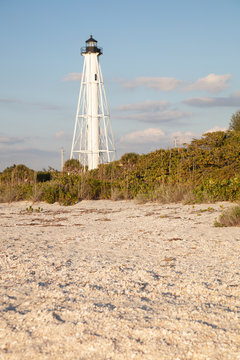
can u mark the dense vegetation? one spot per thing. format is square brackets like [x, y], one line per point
[205, 170]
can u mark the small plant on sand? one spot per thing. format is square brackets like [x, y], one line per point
[230, 217]
[209, 209]
[30, 210]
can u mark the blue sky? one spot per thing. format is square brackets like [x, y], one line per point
[171, 70]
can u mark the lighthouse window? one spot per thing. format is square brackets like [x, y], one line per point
[95, 77]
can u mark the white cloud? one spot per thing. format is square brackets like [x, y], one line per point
[231, 100]
[73, 77]
[155, 138]
[212, 83]
[144, 106]
[143, 136]
[182, 137]
[214, 129]
[157, 83]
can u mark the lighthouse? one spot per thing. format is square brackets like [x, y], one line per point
[93, 141]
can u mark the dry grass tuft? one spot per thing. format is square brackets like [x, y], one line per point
[167, 194]
[117, 194]
[230, 217]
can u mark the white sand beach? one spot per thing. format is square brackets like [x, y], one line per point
[118, 280]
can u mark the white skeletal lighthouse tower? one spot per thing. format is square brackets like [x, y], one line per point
[93, 141]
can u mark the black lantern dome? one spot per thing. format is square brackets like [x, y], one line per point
[91, 47]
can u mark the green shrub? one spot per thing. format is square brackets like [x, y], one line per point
[17, 174]
[72, 166]
[129, 159]
[50, 192]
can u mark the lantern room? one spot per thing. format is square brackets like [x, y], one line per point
[91, 47]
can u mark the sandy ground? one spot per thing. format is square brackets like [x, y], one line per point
[118, 280]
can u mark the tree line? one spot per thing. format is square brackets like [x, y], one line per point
[207, 169]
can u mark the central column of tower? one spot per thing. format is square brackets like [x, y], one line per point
[92, 109]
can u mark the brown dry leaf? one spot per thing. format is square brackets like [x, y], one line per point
[175, 239]
[169, 259]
